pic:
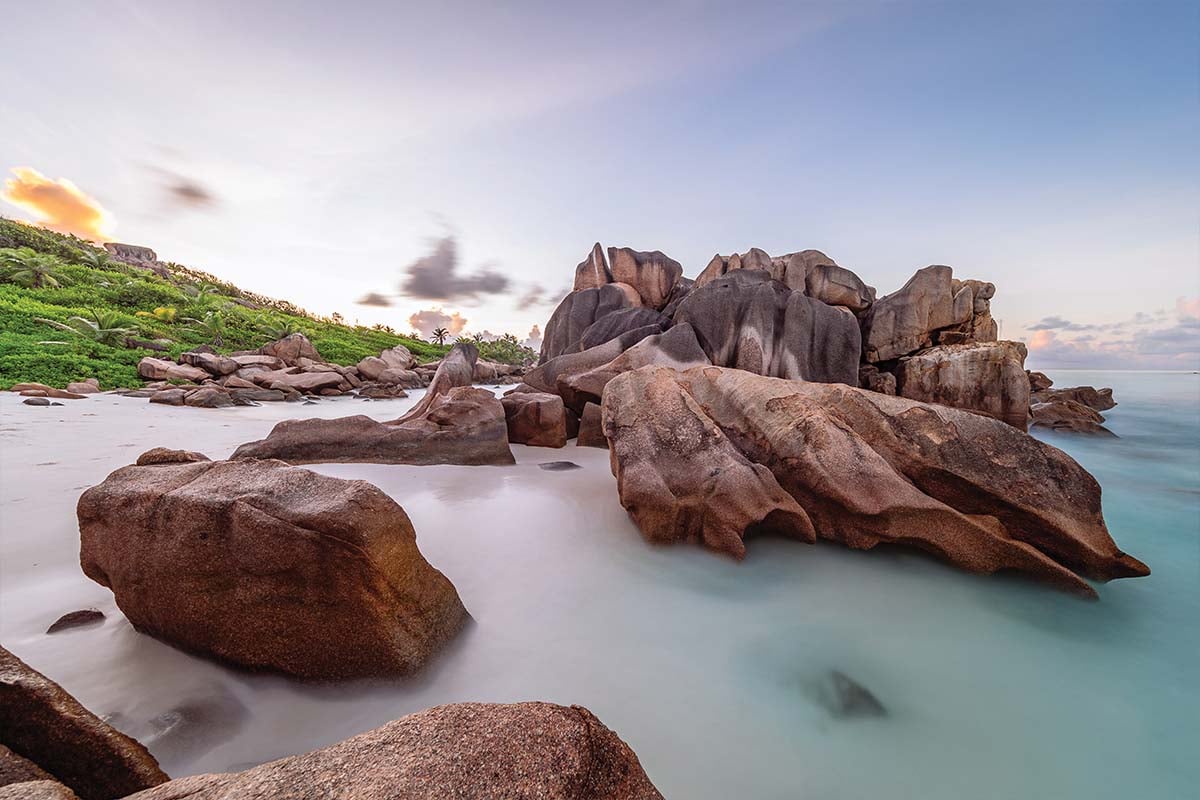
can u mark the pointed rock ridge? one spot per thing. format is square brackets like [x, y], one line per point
[652, 274]
[268, 566]
[44, 725]
[677, 349]
[464, 425]
[1038, 381]
[746, 320]
[680, 477]
[865, 468]
[593, 271]
[577, 311]
[466, 750]
[457, 369]
[984, 377]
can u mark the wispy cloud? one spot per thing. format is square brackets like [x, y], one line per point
[59, 205]
[374, 299]
[1157, 340]
[435, 277]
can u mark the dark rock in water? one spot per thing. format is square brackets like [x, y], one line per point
[36, 401]
[42, 723]
[467, 750]
[309, 403]
[77, 619]
[845, 698]
[1061, 414]
[1093, 398]
[558, 466]
[195, 726]
[56, 404]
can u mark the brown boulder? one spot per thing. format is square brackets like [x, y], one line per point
[591, 428]
[474, 751]
[299, 381]
[574, 314]
[37, 790]
[905, 320]
[1061, 414]
[652, 274]
[169, 397]
[394, 358]
[268, 566]
[1093, 398]
[464, 425]
[89, 386]
[1038, 381]
[867, 468]
[456, 369]
[158, 369]
[18, 769]
[291, 348]
[985, 377]
[42, 390]
[43, 724]
[537, 419]
[209, 397]
[211, 363]
[877, 380]
[838, 286]
[257, 360]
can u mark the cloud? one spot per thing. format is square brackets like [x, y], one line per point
[59, 205]
[424, 322]
[183, 191]
[536, 295]
[1188, 308]
[1059, 324]
[374, 299]
[435, 277]
[1159, 342]
[534, 340]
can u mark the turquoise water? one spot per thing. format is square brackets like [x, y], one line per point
[995, 687]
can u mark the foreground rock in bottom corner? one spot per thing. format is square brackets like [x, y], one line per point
[267, 566]
[44, 725]
[464, 426]
[467, 750]
[865, 468]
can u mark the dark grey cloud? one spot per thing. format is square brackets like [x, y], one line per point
[1181, 339]
[374, 299]
[1059, 324]
[436, 277]
[183, 190]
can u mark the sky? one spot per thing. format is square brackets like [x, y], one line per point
[419, 164]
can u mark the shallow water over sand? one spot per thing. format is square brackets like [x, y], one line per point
[996, 687]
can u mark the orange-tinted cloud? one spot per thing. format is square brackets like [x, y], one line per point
[425, 322]
[59, 205]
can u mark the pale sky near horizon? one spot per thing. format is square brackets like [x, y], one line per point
[316, 152]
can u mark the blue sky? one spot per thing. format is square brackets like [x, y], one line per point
[316, 152]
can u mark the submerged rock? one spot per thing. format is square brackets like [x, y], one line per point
[865, 468]
[268, 566]
[84, 618]
[845, 698]
[43, 724]
[1061, 414]
[467, 750]
[558, 466]
[36, 401]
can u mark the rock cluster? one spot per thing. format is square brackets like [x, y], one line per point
[1076, 409]
[710, 455]
[266, 566]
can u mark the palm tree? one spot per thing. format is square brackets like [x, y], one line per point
[104, 327]
[439, 335]
[31, 269]
[275, 327]
[211, 326]
[90, 257]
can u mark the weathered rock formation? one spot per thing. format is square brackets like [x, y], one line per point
[396, 358]
[1062, 414]
[986, 377]
[932, 308]
[593, 271]
[456, 370]
[538, 419]
[159, 369]
[464, 425]
[267, 566]
[1096, 399]
[865, 468]
[467, 750]
[291, 348]
[137, 256]
[591, 428]
[653, 275]
[749, 321]
[575, 314]
[44, 725]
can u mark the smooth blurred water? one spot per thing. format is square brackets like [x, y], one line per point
[995, 687]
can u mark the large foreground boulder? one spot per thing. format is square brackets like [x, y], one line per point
[267, 566]
[985, 377]
[464, 425]
[747, 320]
[865, 469]
[47, 727]
[472, 751]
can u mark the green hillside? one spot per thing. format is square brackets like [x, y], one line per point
[120, 312]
